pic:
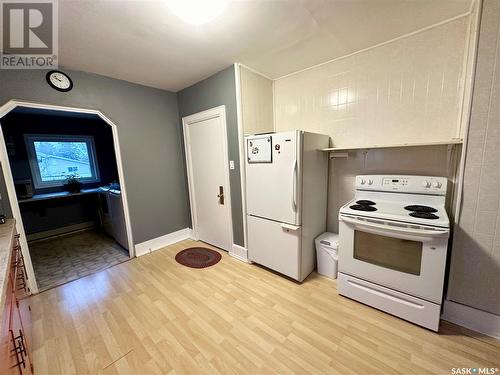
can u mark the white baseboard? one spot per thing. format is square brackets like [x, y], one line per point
[474, 319]
[149, 246]
[240, 253]
[60, 231]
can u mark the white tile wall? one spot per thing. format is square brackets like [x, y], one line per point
[475, 265]
[408, 90]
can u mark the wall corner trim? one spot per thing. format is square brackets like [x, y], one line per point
[240, 253]
[157, 243]
[471, 318]
[241, 148]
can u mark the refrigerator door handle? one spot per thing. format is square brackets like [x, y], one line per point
[289, 226]
[294, 186]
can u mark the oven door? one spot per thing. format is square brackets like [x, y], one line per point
[405, 257]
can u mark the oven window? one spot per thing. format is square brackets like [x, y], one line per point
[394, 253]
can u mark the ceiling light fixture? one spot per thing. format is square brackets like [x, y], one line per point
[197, 12]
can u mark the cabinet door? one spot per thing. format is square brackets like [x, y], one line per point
[23, 358]
[7, 360]
[26, 323]
[16, 319]
[118, 219]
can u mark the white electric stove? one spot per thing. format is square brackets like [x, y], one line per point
[393, 245]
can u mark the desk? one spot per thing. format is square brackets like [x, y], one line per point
[59, 194]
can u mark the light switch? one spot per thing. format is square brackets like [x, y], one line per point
[231, 164]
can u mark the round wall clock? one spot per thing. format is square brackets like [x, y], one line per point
[59, 80]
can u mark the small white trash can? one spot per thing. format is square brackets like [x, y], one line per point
[327, 254]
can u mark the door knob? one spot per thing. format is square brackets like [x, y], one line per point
[221, 195]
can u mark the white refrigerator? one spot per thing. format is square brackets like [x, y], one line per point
[286, 189]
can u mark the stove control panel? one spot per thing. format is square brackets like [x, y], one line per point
[403, 184]
[394, 182]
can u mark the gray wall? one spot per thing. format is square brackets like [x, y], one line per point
[150, 139]
[5, 208]
[220, 89]
[475, 264]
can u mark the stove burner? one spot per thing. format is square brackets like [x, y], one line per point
[365, 202]
[424, 215]
[362, 207]
[419, 208]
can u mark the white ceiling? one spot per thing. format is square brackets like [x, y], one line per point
[143, 42]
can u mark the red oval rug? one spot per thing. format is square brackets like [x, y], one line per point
[198, 257]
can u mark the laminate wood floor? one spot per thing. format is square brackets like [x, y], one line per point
[153, 316]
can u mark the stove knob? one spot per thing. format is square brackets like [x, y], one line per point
[370, 182]
[437, 184]
[363, 181]
[426, 184]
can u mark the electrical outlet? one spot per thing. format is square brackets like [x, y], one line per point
[231, 164]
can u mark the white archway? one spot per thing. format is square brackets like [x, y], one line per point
[9, 181]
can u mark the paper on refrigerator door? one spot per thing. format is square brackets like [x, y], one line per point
[259, 150]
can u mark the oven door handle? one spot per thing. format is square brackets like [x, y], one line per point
[386, 230]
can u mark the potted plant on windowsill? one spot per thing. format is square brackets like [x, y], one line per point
[73, 184]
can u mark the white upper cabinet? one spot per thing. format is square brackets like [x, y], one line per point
[256, 102]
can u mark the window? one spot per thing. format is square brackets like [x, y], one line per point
[53, 158]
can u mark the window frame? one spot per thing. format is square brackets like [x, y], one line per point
[30, 140]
